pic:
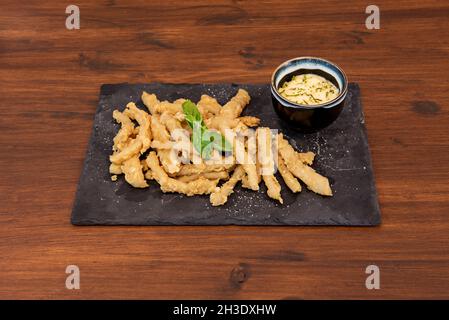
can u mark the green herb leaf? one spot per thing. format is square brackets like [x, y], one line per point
[192, 113]
[204, 140]
[206, 153]
[211, 136]
[219, 142]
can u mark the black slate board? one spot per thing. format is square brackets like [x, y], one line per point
[342, 155]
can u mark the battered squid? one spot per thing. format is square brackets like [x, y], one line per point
[235, 106]
[314, 181]
[252, 150]
[245, 181]
[289, 179]
[220, 195]
[173, 108]
[245, 157]
[181, 137]
[125, 132]
[267, 165]
[144, 121]
[306, 157]
[124, 146]
[169, 160]
[199, 186]
[157, 107]
[208, 106]
[229, 113]
[130, 150]
[150, 101]
[249, 121]
[143, 139]
[192, 169]
[220, 175]
[132, 168]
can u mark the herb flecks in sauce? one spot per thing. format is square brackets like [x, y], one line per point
[308, 89]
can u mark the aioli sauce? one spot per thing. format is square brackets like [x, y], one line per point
[308, 89]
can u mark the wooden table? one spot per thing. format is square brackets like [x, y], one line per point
[50, 79]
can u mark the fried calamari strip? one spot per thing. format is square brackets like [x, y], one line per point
[156, 144]
[314, 181]
[220, 196]
[306, 157]
[266, 160]
[246, 158]
[170, 107]
[252, 176]
[250, 165]
[155, 106]
[265, 152]
[143, 139]
[171, 123]
[181, 137]
[227, 119]
[158, 130]
[273, 187]
[251, 144]
[144, 121]
[234, 107]
[150, 101]
[169, 160]
[220, 175]
[221, 123]
[250, 121]
[191, 169]
[208, 106]
[132, 168]
[245, 182]
[199, 186]
[288, 177]
[125, 132]
[133, 148]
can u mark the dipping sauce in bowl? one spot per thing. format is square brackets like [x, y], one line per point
[308, 92]
[309, 89]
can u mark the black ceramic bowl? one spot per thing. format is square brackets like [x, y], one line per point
[308, 118]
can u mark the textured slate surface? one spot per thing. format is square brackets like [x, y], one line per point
[342, 154]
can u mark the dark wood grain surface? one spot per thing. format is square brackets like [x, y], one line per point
[50, 79]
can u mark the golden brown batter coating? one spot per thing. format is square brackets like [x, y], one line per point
[132, 168]
[288, 177]
[220, 196]
[314, 181]
[125, 132]
[266, 160]
[199, 186]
